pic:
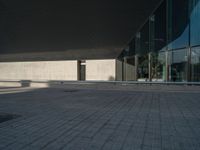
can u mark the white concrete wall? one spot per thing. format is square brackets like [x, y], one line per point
[101, 69]
[127, 72]
[119, 70]
[40, 70]
[130, 72]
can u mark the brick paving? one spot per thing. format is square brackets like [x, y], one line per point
[79, 117]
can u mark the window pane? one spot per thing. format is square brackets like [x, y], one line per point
[158, 66]
[144, 39]
[143, 67]
[178, 24]
[158, 29]
[195, 64]
[195, 23]
[142, 45]
[132, 48]
[178, 66]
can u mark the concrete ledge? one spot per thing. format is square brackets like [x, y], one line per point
[10, 84]
[24, 83]
[39, 84]
[46, 83]
[126, 82]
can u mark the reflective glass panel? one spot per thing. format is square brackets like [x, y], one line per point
[144, 39]
[195, 64]
[178, 24]
[143, 67]
[158, 66]
[179, 65]
[158, 28]
[142, 45]
[195, 23]
[132, 48]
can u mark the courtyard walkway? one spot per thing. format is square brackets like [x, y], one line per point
[84, 117]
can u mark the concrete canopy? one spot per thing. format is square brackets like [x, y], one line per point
[47, 27]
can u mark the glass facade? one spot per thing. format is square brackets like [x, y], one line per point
[178, 23]
[167, 46]
[142, 51]
[158, 42]
[195, 64]
[178, 65]
[195, 23]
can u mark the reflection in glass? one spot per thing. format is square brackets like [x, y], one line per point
[162, 46]
[178, 24]
[144, 39]
[142, 49]
[178, 65]
[158, 66]
[131, 48]
[143, 67]
[195, 23]
[157, 25]
[158, 29]
[195, 64]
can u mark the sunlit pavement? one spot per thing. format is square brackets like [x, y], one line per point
[107, 117]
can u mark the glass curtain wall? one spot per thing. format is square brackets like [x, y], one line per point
[195, 64]
[142, 49]
[178, 24]
[195, 39]
[167, 47]
[179, 65]
[158, 43]
[195, 22]
[178, 39]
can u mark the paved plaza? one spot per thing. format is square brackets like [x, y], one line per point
[101, 117]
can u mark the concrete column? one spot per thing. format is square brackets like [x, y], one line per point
[149, 58]
[189, 71]
[167, 68]
[136, 67]
[125, 69]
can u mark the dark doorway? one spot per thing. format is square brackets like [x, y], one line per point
[81, 70]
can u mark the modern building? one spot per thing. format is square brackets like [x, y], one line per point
[165, 47]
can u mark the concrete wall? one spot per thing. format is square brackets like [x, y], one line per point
[130, 73]
[42, 70]
[119, 70]
[101, 69]
[125, 71]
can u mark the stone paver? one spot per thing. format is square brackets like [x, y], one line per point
[79, 117]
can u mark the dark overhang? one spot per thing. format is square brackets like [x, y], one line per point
[47, 26]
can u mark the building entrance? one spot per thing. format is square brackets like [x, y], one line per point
[81, 70]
